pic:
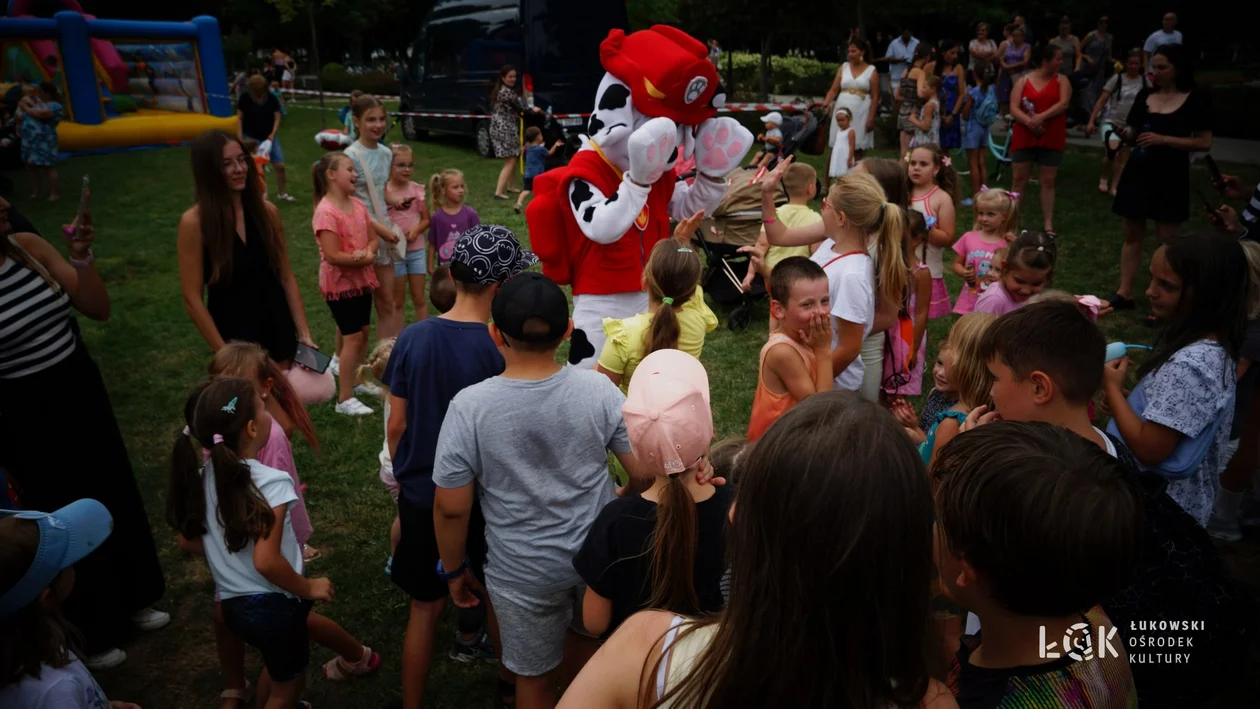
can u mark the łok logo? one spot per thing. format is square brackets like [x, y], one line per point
[1078, 644]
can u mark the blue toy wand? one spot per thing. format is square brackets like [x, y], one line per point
[1116, 350]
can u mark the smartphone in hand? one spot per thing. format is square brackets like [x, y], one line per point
[84, 196]
[1213, 169]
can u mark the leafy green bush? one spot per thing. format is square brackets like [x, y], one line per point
[379, 83]
[799, 76]
[333, 68]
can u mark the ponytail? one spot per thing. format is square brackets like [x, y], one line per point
[862, 200]
[185, 494]
[222, 410]
[1035, 251]
[892, 280]
[674, 549]
[672, 277]
[437, 188]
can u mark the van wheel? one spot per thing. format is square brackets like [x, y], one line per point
[485, 148]
[410, 130]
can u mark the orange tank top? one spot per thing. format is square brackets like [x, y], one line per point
[768, 406]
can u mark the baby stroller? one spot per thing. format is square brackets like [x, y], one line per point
[800, 131]
[736, 222]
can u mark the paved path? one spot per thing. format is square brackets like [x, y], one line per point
[1224, 150]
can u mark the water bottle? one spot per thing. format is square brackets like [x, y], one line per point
[1146, 128]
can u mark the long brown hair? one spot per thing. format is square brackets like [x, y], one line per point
[672, 273]
[248, 361]
[806, 549]
[673, 562]
[892, 177]
[215, 209]
[221, 407]
[38, 634]
[863, 201]
[498, 84]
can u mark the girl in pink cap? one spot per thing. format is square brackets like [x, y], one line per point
[663, 547]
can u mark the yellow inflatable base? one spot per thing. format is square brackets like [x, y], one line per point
[145, 127]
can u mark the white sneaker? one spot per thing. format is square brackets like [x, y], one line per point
[335, 367]
[150, 619]
[286, 197]
[107, 660]
[353, 407]
[368, 389]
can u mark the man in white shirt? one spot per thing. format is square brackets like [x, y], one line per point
[1167, 34]
[900, 54]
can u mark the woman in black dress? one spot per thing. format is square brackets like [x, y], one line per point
[59, 441]
[231, 244]
[1168, 121]
[506, 108]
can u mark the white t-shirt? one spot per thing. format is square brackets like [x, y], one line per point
[851, 280]
[903, 52]
[1158, 39]
[234, 572]
[69, 687]
[773, 133]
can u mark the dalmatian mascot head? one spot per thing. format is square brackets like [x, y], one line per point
[659, 73]
[593, 222]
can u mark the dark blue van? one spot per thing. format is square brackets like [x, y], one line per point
[454, 62]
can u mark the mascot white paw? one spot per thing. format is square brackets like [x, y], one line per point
[720, 146]
[653, 149]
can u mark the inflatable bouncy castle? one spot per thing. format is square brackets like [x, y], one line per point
[124, 84]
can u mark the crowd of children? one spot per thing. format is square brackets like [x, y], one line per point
[753, 572]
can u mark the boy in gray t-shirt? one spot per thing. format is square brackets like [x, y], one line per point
[533, 442]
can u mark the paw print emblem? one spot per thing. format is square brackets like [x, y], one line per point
[695, 89]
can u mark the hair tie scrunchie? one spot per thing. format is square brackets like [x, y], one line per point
[187, 432]
[684, 250]
[667, 300]
[218, 438]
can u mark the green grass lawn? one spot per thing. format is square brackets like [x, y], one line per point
[151, 355]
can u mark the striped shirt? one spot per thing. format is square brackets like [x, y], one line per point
[35, 329]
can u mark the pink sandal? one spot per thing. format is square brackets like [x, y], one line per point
[338, 670]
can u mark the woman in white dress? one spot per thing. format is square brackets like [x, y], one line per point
[856, 87]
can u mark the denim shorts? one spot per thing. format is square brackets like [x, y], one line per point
[415, 263]
[975, 136]
[277, 155]
[275, 624]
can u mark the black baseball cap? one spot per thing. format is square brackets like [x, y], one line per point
[488, 254]
[531, 296]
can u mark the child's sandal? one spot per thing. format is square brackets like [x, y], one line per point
[339, 670]
[244, 696]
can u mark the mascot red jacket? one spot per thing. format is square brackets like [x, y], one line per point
[594, 222]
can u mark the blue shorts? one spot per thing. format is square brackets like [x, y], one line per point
[277, 155]
[975, 136]
[415, 263]
[275, 624]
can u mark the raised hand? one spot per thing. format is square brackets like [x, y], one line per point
[720, 145]
[651, 149]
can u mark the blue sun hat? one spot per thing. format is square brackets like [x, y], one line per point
[65, 537]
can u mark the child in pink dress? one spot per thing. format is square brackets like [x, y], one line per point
[932, 185]
[997, 213]
[903, 359]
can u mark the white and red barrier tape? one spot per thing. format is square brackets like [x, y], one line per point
[728, 108]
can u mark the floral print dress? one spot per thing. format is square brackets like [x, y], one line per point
[39, 136]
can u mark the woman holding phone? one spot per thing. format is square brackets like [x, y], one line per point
[59, 441]
[232, 250]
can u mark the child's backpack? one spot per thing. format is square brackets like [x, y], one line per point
[986, 112]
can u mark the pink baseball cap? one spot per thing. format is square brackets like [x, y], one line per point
[667, 413]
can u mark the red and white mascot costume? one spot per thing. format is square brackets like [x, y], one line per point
[594, 222]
